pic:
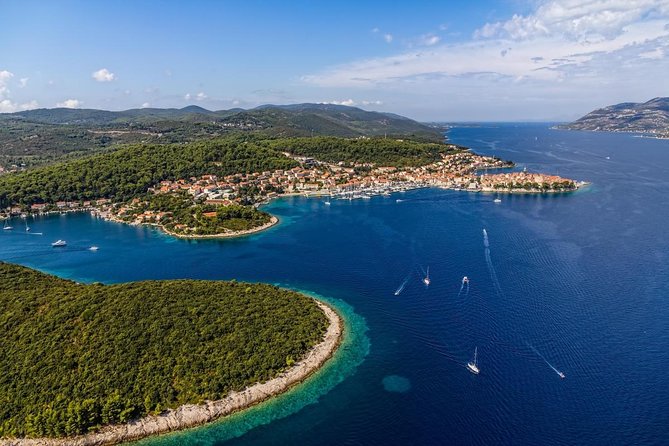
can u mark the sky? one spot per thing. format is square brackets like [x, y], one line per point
[476, 60]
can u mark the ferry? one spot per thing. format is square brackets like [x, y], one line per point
[472, 366]
[59, 243]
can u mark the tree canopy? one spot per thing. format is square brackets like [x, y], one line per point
[74, 357]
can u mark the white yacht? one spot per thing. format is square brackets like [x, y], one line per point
[465, 280]
[473, 365]
[426, 280]
[59, 243]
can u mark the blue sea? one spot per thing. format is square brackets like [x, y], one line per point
[576, 283]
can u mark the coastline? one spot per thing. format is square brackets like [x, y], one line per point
[273, 221]
[192, 415]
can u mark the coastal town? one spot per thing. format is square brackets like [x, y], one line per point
[462, 170]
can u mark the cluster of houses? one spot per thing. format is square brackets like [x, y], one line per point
[526, 181]
[454, 170]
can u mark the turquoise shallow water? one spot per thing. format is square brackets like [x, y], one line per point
[581, 278]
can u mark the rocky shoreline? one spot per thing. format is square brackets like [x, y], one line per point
[273, 221]
[191, 415]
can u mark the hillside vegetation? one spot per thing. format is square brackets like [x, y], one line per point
[74, 357]
[129, 172]
[36, 137]
[378, 151]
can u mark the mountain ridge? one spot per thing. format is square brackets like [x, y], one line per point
[650, 117]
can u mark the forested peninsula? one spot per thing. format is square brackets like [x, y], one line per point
[75, 357]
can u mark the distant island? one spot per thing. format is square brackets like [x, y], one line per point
[103, 364]
[650, 118]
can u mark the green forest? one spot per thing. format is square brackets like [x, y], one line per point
[74, 357]
[128, 172]
[378, 151]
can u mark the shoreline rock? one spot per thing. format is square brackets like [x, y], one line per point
[191, 415]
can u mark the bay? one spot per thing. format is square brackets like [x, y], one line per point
[581, 278]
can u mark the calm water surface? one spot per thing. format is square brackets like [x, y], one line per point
[580, 278]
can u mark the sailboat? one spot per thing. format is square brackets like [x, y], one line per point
[426, 280]
[7, 227]
[27, 227]
[473, 365]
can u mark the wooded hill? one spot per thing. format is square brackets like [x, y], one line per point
[129, 172]
[42, 136]
[74, 357]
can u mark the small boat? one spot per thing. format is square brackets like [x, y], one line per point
[7, 227]
[497, 200]
[426, 279]
[59, 243]
[327, 203]
[398, 201]
[561, 375]
[465, 280]
[473, 365]
[93, 248]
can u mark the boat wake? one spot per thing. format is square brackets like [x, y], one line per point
[401, 287]
[464, 288]
[491, 267]
[559, 373]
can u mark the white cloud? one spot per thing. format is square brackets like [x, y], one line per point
[187, 97]
[146, 105]
[7, 106]
[429, 40]
[348, 102]
[5, 76]
[564, 52]
[547, 58]
[201, 96]
[352, 103]
[103, 75]
[6, 103]
[23, 82]
[577, 19]
[388, 37]
[70, 103]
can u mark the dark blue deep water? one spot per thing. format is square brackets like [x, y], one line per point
[580, 278]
